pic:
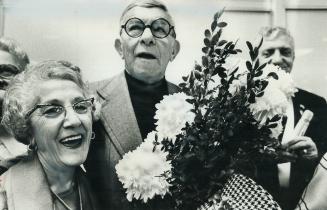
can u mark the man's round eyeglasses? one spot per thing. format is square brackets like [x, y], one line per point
[160, 28]
[8, 71]
[54, 111]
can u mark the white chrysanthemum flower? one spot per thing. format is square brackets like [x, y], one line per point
[172, 114]
[276, 95]
[285, 81]
[273, 102]
[140, 171]
[275, 132]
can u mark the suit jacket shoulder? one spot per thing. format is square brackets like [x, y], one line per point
[310, 99]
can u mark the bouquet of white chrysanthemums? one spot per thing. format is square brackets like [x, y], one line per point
[226, 118]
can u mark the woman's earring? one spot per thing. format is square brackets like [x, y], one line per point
[92, 135]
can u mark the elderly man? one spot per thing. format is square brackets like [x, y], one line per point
[286, 181]
[12, 61]
[147, 43]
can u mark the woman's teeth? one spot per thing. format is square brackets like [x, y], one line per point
[72, 141]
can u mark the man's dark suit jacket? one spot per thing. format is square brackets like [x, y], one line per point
[301, 170]
[116, 133]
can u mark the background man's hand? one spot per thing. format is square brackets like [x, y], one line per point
[303, 146]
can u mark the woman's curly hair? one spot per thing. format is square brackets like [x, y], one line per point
[22, 95]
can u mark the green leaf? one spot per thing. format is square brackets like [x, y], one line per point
[222, 74]
[256, 65]
[260, 94]
[197, 74]
[185, 78]
[234, 71]
[249, 46]
[191, 101]
[275, 118]
[252, 97]
[262, 66]
[216, 16]
[222, 42]
[231, 47]
[249, 65]
[213, 25]
[207, 33]
[228, 45]
[215, 38]
[256, 53]
[218, 51]
[273, 75]
[222, 24]
[206, 42]
[272, 125]
[198, 67]
[252, 55]
[258, 73]
[205, 61]
[233, 52]
[205, 49]
[264, 84]
[260, 43]
[182, 85]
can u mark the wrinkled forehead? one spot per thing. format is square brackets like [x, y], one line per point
[281, 41]
[147, 15]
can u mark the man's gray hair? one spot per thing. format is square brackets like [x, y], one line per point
[13, 48]
[272, 33]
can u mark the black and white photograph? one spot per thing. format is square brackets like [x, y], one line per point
[163, 105]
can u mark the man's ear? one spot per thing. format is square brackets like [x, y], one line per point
[175, 51]
[119, 48]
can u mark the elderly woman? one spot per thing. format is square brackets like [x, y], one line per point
[48, 108]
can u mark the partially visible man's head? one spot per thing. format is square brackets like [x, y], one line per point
[277, 47]
[12, 61]
[147, 40]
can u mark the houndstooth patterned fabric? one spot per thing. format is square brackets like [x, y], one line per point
[245, 194]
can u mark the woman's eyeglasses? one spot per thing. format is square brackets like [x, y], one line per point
[8, 71]
[135, 27]
[53, 111]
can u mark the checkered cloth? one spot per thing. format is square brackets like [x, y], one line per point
[245, 194]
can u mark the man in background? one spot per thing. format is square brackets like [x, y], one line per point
[13, 60]
[147, 43]
[286, 181]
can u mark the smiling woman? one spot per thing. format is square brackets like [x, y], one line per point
[49, 108]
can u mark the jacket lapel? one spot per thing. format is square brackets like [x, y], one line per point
[27, 186]
[118, 115]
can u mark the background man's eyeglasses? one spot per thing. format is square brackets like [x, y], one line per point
[135, 27]
[8, 71]
[53, 111]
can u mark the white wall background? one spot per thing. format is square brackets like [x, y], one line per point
[83, 32]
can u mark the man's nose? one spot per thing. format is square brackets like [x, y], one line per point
[276, 58]
[147, 37]
[71, 118]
